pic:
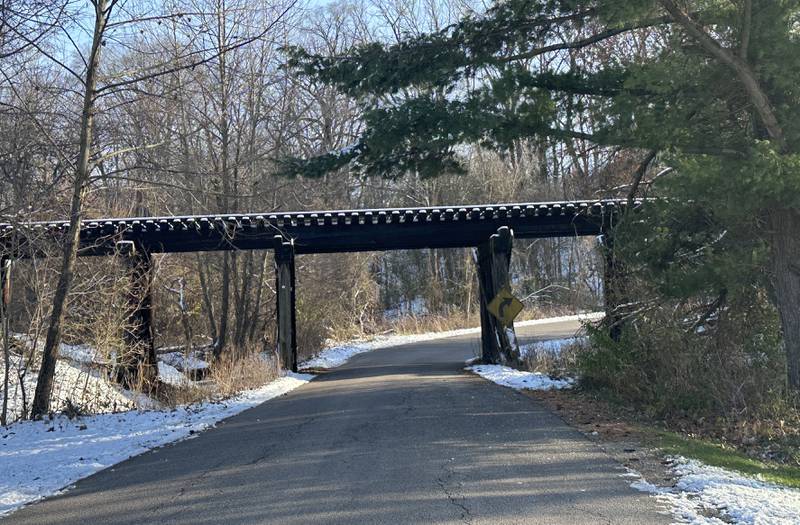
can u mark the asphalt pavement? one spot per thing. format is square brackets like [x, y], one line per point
[398, 435]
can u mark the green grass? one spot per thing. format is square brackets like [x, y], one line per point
[719, 456]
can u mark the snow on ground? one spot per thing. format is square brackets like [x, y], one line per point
[39, 458]
[589, 316]
[29, 450]
[80, 380]
[519, 380]
[338, 355]
[171, 375]
[183, 362]
[551, 346]
[78, 353]
[706, 495]
[81, 385]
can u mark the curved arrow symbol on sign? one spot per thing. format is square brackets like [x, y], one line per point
[505, 303]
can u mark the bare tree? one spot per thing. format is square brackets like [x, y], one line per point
[102, 11]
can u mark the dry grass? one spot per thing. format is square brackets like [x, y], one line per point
[414, 324]
[227, 376]
[230, 375]
[418, 324]
[173, 395]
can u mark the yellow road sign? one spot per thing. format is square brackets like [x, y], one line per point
[505, 306]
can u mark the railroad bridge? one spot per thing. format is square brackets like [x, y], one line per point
[490, 229]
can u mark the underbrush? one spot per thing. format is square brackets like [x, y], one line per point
[419, 324]
[85, 388]
[723, 379]
[227, 376]
[604, 417]
[234, 374]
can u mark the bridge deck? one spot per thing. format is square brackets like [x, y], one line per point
[329, 231]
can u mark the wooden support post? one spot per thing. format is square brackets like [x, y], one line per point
[498, 343]
[138, 365]
[286, 303]
[490, 346]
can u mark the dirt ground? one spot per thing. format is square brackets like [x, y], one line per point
[613, 429]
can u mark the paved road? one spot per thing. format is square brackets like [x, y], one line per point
[400, 435]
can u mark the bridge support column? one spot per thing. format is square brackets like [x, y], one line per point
[286, 303]
[138, 365]
[493, 257]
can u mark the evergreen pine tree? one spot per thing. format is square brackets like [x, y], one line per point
[714, 93]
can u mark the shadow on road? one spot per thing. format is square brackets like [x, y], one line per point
[397, 436]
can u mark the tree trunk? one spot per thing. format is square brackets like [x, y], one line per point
[44, 385]
[614, 292]
[202, 265]
[5, 299]
[185, 322]
[223, 125]
[785, 260]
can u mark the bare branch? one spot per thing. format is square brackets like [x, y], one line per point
[637, 176]
[202, 61]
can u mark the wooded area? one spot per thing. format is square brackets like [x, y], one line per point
[193, 113]
[700, 96]
[117, 108]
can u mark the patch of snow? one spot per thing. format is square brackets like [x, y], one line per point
[182, 362]
[30, 450]
[645, 486]
[415, 306]
[551, 346]
[171, 375]
[512, 337]
[589, 316]
[182, 348]
[334, 356]
[78, 353]
[706, 495]
[519, 380]
[82, 385]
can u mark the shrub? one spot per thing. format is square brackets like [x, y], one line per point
[233, 373]
[729, 367]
